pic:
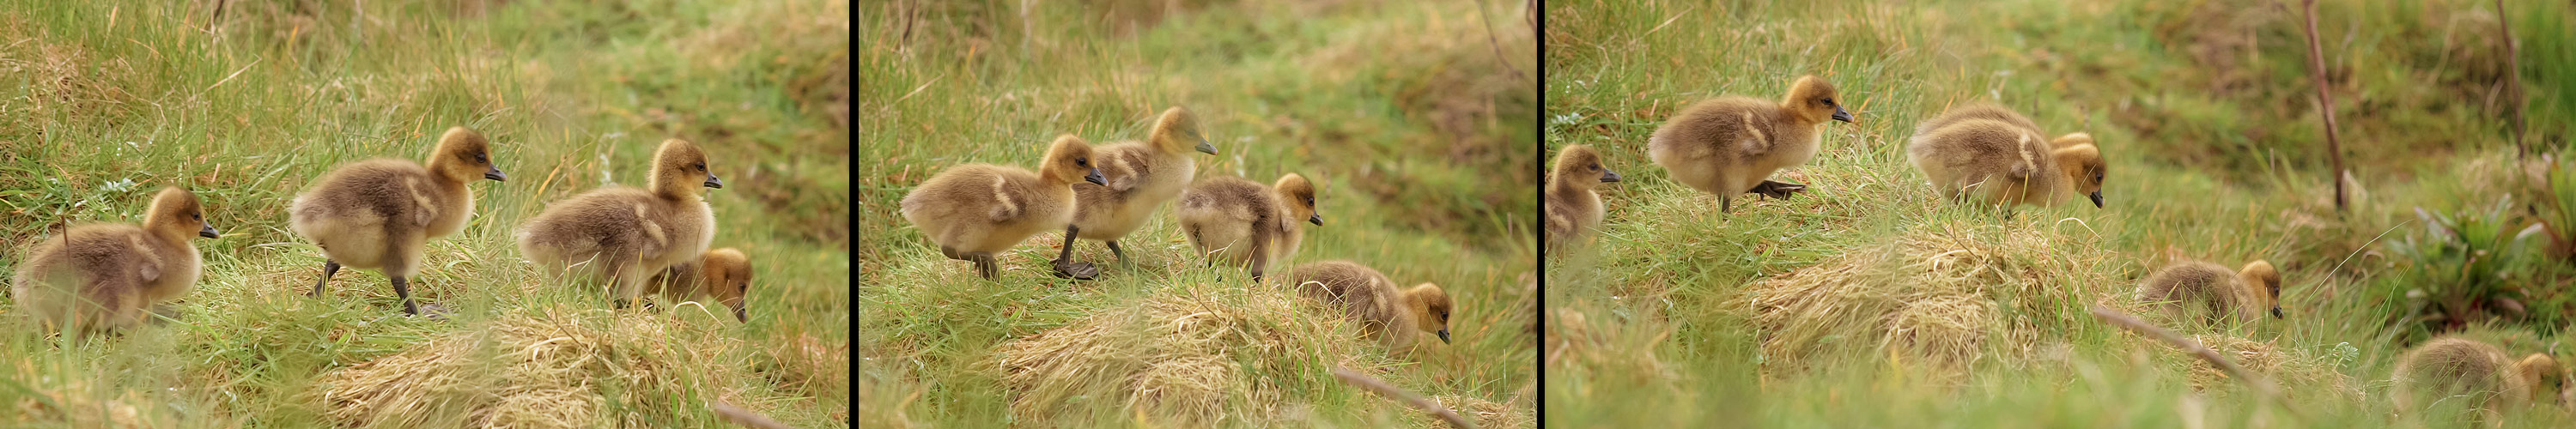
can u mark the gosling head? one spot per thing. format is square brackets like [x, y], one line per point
[2083, 164]
[1581, 167]
[1178, 130]
[2070, 140]
[728, 277]
[1069, 160]
[1814, 101]
[2265, 285]
[679, 168]
[464, 155]
[1300, 195]
[1430, 307]
[2542, 373]
[175, 213]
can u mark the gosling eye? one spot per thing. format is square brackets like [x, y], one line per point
[482, 158]
[1086, 162]
[1596, 167]
[1829, 102]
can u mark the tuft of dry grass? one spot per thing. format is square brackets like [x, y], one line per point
[2289, 367]
[558, 368]
[1190, 356]
[1940, 298]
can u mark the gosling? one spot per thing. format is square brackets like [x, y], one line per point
[1731, 145]
[376, 214]
[2005, 164]
[974, 210]
[1242, 223]
[104, 277]
[1370, 297]
[1141, 177]
[722, 274]
[2450, 367]
[1573, 209]
[2202, 292]
[624, 235]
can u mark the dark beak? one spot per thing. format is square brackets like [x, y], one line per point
[1609, 176]
[2097, 199]
[1317, 219]
[1841, 115]
[740, 315]
[1095, 178]
[713, 182]
[495, 174]
[1204, 147]
[209, 232]
[1444, 336]
[2276, 313]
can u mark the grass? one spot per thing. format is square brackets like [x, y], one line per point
[2206, 113]
[108, 101]
[1414, 127]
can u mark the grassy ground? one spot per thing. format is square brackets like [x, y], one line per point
[2207, 115]
[1412, 116]
[108, 101]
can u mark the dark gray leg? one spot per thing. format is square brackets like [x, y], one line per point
[1114, 250]
[329, 267]
[404, 290]
[1065, 266]
[985, 265]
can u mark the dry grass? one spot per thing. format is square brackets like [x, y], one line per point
[1941, 298]
[2288, 367]
[1188, 356]
[1486, 414]
[559, 368]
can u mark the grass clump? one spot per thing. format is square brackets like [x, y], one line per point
[554, 367]
[1941, 298]
[1196, 355]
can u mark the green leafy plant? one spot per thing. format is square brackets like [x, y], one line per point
[2465, 265]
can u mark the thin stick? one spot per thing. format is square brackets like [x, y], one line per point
[1408, 398]
[1497, 44]
[2325, 102]
[2513, 75]
[2257, 381]
[740, 416]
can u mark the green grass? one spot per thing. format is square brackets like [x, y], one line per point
[2206, 114]
[1415, 130]
[106, 102]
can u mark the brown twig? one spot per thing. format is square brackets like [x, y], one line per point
[2257, 381]
[740, 416]
[1496, 43]
[2325, 102]
[2513, 75]
[1398, 394]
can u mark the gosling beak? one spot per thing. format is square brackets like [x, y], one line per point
[1841, 115]
[1095, 178]
[209, 232]
[739, 315]
[1609, 176]
[495, 174]
[2097, 199]
[1204, 147]
[1317, 219]
[2276, 313]
[1444, 336]
[713, 182]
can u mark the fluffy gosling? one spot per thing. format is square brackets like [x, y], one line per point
[1731, 145]
[624, 235]
[376, 214]
[103, 277]
[974, 210]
